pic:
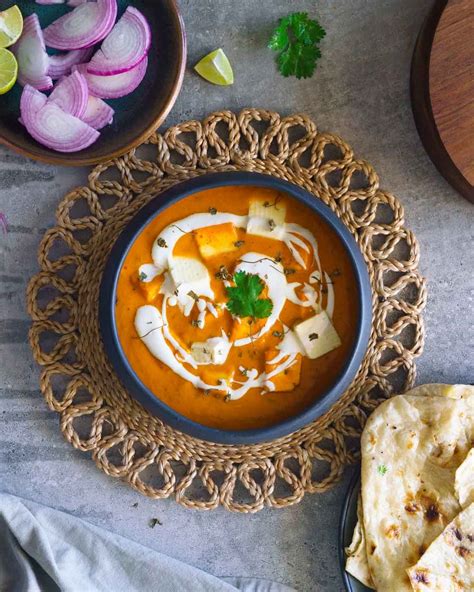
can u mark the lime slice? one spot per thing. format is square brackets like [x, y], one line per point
[8, 70]
[11, 26]
[216, 68]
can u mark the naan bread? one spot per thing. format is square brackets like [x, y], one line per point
[356, 563]
[448, 563]
[411, 447]
[464, 480]
[452, 391]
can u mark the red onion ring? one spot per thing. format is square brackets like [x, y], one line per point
[49, 125]
[71, 94]
[125, 46]
[30, 52]
[61, 64]
[98, 114]
[86, 25]
[114, 87]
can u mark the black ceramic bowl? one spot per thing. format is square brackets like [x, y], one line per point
[127, 375]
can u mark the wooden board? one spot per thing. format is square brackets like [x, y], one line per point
[442, 86]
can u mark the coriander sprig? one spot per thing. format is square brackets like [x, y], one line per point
[244, 298]
[296, 38]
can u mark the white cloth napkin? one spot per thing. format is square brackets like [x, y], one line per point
[44, 550]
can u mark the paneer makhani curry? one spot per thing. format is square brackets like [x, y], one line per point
[237, 307]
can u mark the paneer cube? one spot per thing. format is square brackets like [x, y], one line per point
[190, 276]
[187, 270]
[287, 379]
[245, 327]
[266, 219]
[215, 240]
[264, 209]
[317, 335]
[213, 351]
[151, 289]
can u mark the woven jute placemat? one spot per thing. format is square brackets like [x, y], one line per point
[98, 416]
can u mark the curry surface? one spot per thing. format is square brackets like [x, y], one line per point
[253, 410]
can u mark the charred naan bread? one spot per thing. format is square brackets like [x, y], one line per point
[448, 564]
[356, 563]
[464, 480]
[412, 446]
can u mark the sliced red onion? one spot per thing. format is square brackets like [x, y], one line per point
[114, 87]
[86, 25]
[61, 64]
[49, 125]
[71, 94]
[125, 47]
[98, 114]
[30, 51]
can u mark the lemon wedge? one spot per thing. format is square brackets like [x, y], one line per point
[8, 70]
[11, 26]
[216, 68]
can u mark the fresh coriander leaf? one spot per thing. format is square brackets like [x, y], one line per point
[244, 298]
[262, 308]
[382, 469]
[142, 276]
[296, 39]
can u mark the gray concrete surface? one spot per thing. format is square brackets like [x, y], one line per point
[359, 91]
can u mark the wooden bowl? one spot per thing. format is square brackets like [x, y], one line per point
[442, 91]
[137, 115]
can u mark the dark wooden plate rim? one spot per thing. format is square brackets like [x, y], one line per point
[85, 161]
[347, 524]
[421, 105]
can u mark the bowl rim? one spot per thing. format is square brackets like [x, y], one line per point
[150, 401]
[70, 159]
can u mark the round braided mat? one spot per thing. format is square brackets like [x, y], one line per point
[98, 415]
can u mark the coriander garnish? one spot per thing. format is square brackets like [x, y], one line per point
[223, 273]
[161, 242]
[296, 40]
[142, 276]
[382, 469]
[244, 298]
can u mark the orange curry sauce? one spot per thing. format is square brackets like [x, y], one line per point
[254, 409]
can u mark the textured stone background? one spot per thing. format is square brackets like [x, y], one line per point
[360, 91]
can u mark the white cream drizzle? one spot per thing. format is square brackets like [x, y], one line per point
[274, 277]
[152, 326]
